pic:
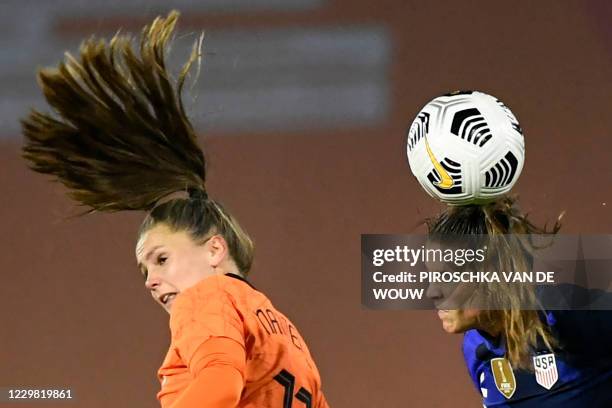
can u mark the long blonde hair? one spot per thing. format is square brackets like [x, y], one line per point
[502, 222]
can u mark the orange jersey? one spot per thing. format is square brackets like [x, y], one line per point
[279, 371]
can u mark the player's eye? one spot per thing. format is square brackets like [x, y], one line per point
[161, 259]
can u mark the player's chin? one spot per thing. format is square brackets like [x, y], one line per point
[450, 323]
[168, 305]
[165, 306]
[452, 328]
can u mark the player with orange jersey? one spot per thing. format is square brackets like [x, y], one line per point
[121, 141]
[260, 343]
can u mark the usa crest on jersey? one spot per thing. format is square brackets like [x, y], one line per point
[546, 372]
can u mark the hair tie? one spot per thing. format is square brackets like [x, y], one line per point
[197, 193]
[191, 193]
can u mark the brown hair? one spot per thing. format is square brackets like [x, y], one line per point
[121, 140]
[502, 222]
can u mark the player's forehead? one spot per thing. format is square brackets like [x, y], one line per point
[158, 235]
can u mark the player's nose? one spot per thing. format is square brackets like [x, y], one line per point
[434, 292]
[152, 283]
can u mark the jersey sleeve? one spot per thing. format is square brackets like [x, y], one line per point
[582, 331]
[220, 379]
[201, 314]
[585, 323]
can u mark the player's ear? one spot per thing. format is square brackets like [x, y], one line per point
[216, 250]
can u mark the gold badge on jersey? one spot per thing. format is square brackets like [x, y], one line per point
[504, 376]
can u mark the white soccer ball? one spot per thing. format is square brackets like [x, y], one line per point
[466, 148]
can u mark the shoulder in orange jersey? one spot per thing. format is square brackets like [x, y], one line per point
[279, 370]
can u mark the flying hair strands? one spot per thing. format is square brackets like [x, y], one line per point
[506, 228]
[119, 138]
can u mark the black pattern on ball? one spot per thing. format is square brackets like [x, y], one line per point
[502, 173]
[418, 130]
[471, 126]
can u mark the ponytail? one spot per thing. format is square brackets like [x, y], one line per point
[120, 138]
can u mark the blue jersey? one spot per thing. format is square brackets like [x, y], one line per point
[580, 374]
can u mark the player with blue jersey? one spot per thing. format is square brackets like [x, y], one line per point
[520, 357]
[467, 149]
[577, 375]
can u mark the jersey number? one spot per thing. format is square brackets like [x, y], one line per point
[287, 380]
